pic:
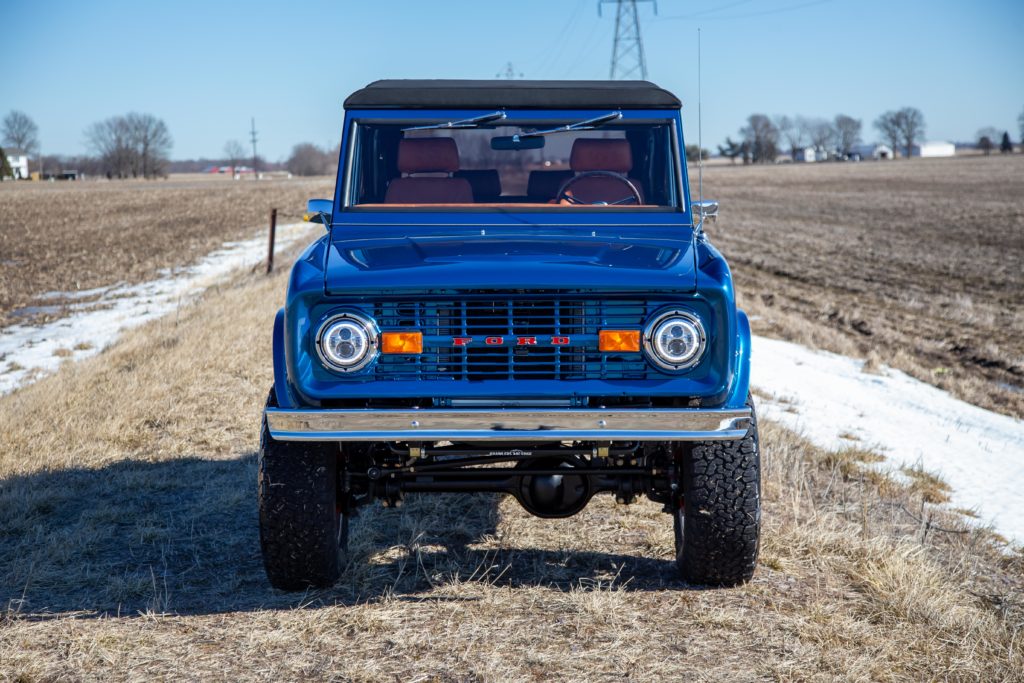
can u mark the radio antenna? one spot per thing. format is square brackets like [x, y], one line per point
[700, 133]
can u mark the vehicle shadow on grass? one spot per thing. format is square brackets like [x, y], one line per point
[180, 536]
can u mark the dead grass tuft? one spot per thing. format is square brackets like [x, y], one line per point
[929, 486]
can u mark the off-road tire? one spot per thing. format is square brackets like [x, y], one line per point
[302, 534]
[718, 526]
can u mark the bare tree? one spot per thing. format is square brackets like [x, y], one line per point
[131, 146]
[762, 137]
[986, 138]
[730, 150]
[152, 143]
[888, 126]
[910, 122]
[847, 131]
[792, 131]
[696, 153]
[20, 132]
[308, 159]
[820, 133]
[109, 139]
[1020, 124]
[805, 127]
[234, 153]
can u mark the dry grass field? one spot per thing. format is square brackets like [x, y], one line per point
[67, 237]
[915, 264]
[128, 543]
[128, 551]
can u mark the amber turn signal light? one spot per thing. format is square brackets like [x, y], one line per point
[619, 340]
[401, 342]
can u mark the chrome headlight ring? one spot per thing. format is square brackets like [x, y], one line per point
[347, 342]
[675, 340]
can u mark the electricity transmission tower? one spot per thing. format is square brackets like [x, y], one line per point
[628, 50]
[509, 72]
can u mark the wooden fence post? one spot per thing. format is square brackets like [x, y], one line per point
[270, 250]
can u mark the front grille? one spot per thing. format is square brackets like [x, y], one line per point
[575, 322]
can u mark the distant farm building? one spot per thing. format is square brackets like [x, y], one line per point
[934, 148]
[876, 152]
[19, 166]
[806, 154]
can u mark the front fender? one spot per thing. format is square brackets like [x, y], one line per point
[281, 389]
[741, 364]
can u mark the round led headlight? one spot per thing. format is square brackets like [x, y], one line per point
[675, 340]
[346, 342]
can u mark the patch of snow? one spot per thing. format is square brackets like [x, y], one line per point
[28, 352]
[829, 398]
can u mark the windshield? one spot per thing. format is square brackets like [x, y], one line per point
[488, 162]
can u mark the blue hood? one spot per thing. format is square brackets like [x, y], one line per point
[510, 261]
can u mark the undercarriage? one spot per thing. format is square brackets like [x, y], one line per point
[548, 479]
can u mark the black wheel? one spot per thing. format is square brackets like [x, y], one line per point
[718, 525]
[303, 534]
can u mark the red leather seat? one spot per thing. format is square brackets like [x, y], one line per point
[602, 154]
[428, 155]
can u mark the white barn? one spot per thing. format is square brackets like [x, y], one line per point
[19, 166]
[876, 152]
[805, 154]
[934, 148]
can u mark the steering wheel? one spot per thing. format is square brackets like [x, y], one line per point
[564, 191]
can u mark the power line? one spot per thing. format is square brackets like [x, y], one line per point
[595, 39]
[628, 49]
[552, 56]
[745, 15]
[712, 10]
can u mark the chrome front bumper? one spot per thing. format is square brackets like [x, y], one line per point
[506, 424]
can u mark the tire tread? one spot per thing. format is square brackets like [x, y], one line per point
[721, 515]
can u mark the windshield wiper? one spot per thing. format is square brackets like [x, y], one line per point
[464, 123]
[589, 124]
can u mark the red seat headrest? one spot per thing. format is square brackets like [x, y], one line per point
[428, 155]
[597, 154]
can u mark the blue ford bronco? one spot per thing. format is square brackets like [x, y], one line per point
[514, 293]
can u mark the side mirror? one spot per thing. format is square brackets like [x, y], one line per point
[706, 209]
[319, 211]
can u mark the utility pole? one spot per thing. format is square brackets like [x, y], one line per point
[628, 50]
[252, 136]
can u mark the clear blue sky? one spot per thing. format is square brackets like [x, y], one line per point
[205, 66]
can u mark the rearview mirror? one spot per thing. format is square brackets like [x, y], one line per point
[516, 142]
[705, 209]
[316, 209]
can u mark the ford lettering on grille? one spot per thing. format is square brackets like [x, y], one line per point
[557, 340]
[526, 337]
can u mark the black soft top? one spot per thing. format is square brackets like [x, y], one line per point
[511, 94]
